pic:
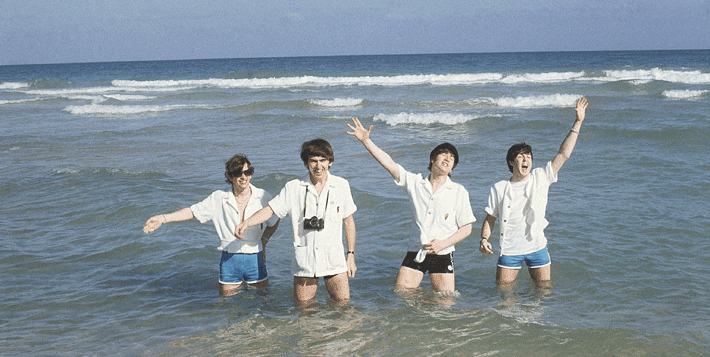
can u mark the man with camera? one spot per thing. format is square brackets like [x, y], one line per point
[320, 205]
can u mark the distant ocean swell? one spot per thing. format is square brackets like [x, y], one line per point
[119, 98]
[542, 101]
[637, 76]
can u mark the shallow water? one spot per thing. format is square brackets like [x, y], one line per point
[90, 151]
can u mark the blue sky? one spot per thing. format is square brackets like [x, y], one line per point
[66, 31]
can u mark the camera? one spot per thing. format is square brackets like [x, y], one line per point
[313, 223]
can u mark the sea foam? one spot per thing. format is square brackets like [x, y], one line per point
[125, 109]
[13, 85]
[684, 94]
[425, 118]
[551, 101]
[337, 102]
[21, 101]
[385, 81]
[641, 76]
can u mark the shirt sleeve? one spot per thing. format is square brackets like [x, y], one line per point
[465, 212]
[550, 173]
[349, 206]
[403, 179]
[280, 203]
[492, 207]
[265, 199]
[204, 210]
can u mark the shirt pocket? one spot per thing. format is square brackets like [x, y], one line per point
[300, 255]
[444, 224]
[335, 211]
[334, 257]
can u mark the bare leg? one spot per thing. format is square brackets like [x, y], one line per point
[229, 289]
[260, 284]
[541, 276]
[408, 278]
[442, 282]
[338, 287]
[505, 275]
[304, 288]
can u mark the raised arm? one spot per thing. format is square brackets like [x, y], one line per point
[155, 222]
[363, 135]
[571, 138]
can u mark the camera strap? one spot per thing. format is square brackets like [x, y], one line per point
[305, 203]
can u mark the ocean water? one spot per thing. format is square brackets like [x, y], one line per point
[88, 152]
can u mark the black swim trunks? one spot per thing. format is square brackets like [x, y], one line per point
[434, 264]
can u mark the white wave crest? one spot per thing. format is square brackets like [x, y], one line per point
[552, 77]
[337, 102]
[13, 85]
[128, 97]
[99, 109]
[20, 101]
[66, 93]
[684, 94]
[552, 101]
[425, 118]
[641, 76]
[313, 81]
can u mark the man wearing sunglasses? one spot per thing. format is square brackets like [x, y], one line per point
[242, 259]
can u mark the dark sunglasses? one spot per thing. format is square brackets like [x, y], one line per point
[238, 173]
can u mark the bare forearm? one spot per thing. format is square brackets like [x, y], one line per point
[268, 232]
[571, 139]
[382, 157]
[155, 222]
[259, 217]
[350, 233]
[484, 246]
[487, 227]
[458, 236]
[178, 216]
[569, 142]
[435, 246]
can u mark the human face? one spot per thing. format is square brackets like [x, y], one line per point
[318, 168]
[521, 166]
[443, 164]
[241, 182]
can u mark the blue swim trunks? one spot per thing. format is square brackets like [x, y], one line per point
[237, 267]
[539, 259]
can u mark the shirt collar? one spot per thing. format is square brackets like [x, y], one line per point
[306, 181]
[256, 194]
[446, 185]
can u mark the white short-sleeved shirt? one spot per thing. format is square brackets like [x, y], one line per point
[437, 215]
[316, 253]
[501, 200]
[221, 208]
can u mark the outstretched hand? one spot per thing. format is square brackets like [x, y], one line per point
[154, 223]
[581, 108]
[359, 131]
